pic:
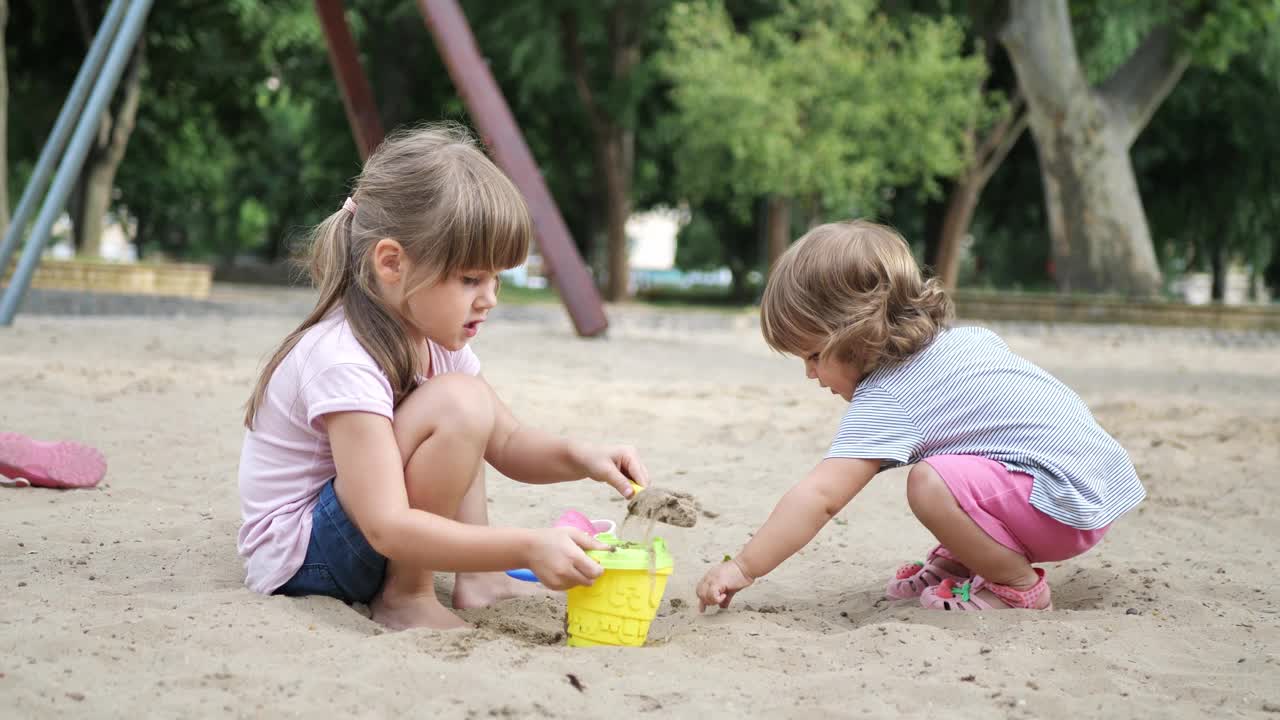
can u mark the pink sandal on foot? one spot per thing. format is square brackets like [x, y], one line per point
[50, 464]
[913, 578]
[947, 595]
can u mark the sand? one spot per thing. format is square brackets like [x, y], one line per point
[660, 505]
[127, 600]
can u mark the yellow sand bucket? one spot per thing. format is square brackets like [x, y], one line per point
[619, 607]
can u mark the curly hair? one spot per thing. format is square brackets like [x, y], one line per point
[852, 290]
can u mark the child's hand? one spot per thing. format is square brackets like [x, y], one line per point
[720, 584]
[557, 558]
[616, 466]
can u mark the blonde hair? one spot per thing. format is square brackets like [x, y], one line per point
[853, 291]
[436, 193]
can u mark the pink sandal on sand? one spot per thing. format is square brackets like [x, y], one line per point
[947, 595]
[912, 578]
[50, 464]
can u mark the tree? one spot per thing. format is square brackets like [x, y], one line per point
[38, 75]
[42, 74]
[716, 236]
[613, 135]
[1217, 125]
[241, 138]
[523, 44]
[826, 104]
[989, 146]
[573, 69]
[93, 194]
[988, 154]
[1083, 131]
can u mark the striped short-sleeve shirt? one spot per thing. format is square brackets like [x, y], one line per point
[967, 393]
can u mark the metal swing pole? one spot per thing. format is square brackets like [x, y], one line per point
[357, 96]
[121, 48]
[488, 108]
[57, 139]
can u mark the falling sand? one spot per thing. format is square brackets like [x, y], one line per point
[664, 506]
[658, 505]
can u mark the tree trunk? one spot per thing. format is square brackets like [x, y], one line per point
[4, 129]
[1255, 274]
[1104, 243]
[617, 175]
[966, 193]
[739, 292]
[142, 234]
[987, 157]
[779, 227]
[813, 213]
[955, 226]
[1097, 225]
[1218, 264]
[97, 180]
[396, 80]
[613, 143]
[98, 176]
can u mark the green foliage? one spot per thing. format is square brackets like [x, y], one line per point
[698, 245]
[41, 70]
[1213, 31]
[524, 44]
[1216, 123]
[226, 150]
[1107, 33]
[718, 236]
[826, 100]
[1232, 28]
[846, 106]
[1214, 126]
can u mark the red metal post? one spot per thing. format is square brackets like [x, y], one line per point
[357, 97]
[489, 110]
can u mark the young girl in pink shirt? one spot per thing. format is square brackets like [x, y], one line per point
[361, 473]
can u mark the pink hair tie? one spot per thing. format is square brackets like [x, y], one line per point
[349, 205]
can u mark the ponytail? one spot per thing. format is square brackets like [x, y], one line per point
[332, 273]
[432, 190]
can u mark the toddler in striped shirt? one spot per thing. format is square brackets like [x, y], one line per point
[1009, 467]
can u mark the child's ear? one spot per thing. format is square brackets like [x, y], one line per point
[388, 261]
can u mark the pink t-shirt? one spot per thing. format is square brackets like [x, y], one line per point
[286, 461]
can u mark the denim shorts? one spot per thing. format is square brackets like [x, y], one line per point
[340, 562]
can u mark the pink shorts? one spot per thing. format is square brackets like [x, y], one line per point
[999, 501]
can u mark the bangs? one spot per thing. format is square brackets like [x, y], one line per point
[487, 225]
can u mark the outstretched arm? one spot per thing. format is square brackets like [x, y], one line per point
[372, 491]
[797, 518]
[534, 456]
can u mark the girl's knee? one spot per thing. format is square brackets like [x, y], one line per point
[925, 488]
[453, 403]
[464, 403]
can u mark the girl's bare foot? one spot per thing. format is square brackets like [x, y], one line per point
[401, 612]
[475, 590]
